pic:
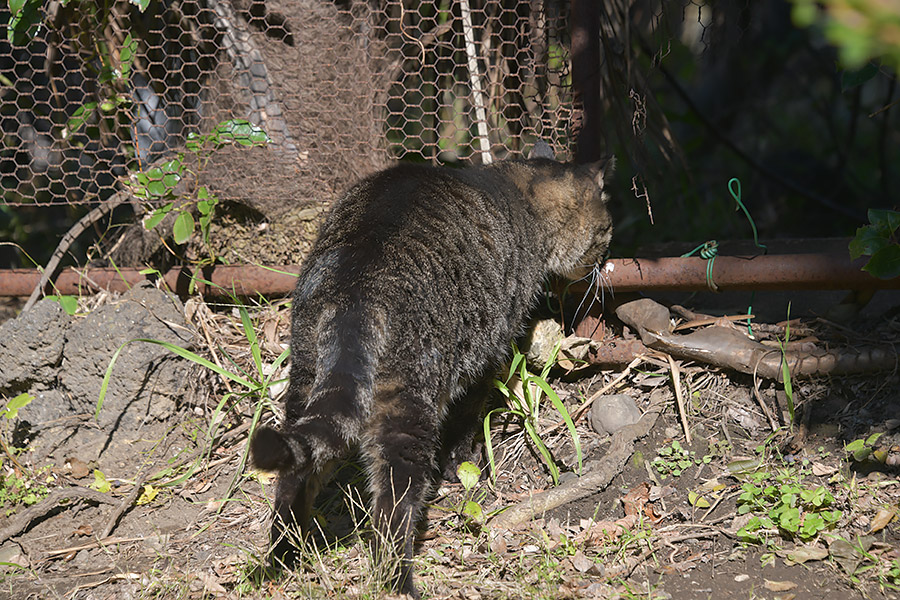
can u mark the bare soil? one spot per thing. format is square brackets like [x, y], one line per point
[185, 518]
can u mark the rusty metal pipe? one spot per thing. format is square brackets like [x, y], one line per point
[772, 272]
[823, 271]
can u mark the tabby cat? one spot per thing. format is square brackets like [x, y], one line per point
[403, 312]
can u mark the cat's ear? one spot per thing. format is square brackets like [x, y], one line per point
[542, 149]
[601, 170]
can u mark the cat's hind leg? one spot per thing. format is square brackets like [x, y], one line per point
[401, 446]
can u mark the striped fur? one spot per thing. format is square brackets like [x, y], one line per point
[405, 308]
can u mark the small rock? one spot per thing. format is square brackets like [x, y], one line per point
[609, 414]
[544, 336]
[12, 555]
[741, 578]
[567, 476]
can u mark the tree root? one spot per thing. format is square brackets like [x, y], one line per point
[23, 520]
[730, 348]
[597, 477]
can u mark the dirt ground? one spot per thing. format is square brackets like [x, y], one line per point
[178, 514]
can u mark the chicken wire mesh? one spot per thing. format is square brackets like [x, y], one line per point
[94, 93]
[341, 88]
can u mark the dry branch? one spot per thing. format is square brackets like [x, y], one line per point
[124, 505]
[596, 479]
[69, 238]
[23, 520]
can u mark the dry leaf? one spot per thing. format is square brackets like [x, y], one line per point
[581, 562]
[882, 518]
[211, 583]
[802, 554]
[84, 530]
[79, 468]
[498, 545]
[822, 470]
[635, 499]
[779, 586]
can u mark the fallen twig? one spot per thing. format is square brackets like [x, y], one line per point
[69, 238]
[21, 521]
[579, 412]
[596, 479]
[105, 541]
[759, 398]
[124, 505]
[679, 399]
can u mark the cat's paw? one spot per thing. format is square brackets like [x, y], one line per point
[270, 451]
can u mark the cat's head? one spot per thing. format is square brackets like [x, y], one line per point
[595, 221]
[571, 201]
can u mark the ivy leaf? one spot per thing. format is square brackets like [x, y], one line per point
[852, 79]
[697, 501]
[148, 495]
[24, 22]
[886, 221]
[68, 303]
[82, 113]
[473, 511]
[885, 263]
[127, 54]
[157, 215]
[183, 227]
[101, 484]
[867, 242]
[240, 131]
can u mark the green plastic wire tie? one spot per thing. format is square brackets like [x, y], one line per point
[708, 250]
[736, 194]
[737, 198]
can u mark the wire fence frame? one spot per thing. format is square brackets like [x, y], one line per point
[93, 98]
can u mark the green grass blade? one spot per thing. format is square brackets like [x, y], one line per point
[542, 449]
[488, 445]
[214, 422]
[106, 376]
[502, 387]
[551, 360]
[250, 333]
[561, 408]
[785, 369]
[257, 415]
[518, 358]
[177, 350]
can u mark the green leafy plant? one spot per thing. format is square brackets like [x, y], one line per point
[878, 240]
[780, 504]
[863, 449]
[157, 185]
[860, 29]
[470, 508]
[526, 406]
[17, 489]
[673, 459]
[67, 302]
[18, 486]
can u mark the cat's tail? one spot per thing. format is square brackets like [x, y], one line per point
[331, 418]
